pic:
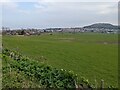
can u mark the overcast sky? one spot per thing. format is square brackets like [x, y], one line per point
[57, 13]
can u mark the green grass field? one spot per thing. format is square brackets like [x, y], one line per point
[93, 56]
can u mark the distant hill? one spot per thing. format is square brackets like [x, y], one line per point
[102, 25]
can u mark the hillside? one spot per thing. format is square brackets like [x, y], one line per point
[102, 25]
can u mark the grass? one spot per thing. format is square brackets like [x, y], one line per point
[93, 56]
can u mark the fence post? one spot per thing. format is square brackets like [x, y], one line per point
[102, 84]
[95, 83]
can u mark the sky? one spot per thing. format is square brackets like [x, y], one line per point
[57, 13]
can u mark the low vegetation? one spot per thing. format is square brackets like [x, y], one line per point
[21, 72]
